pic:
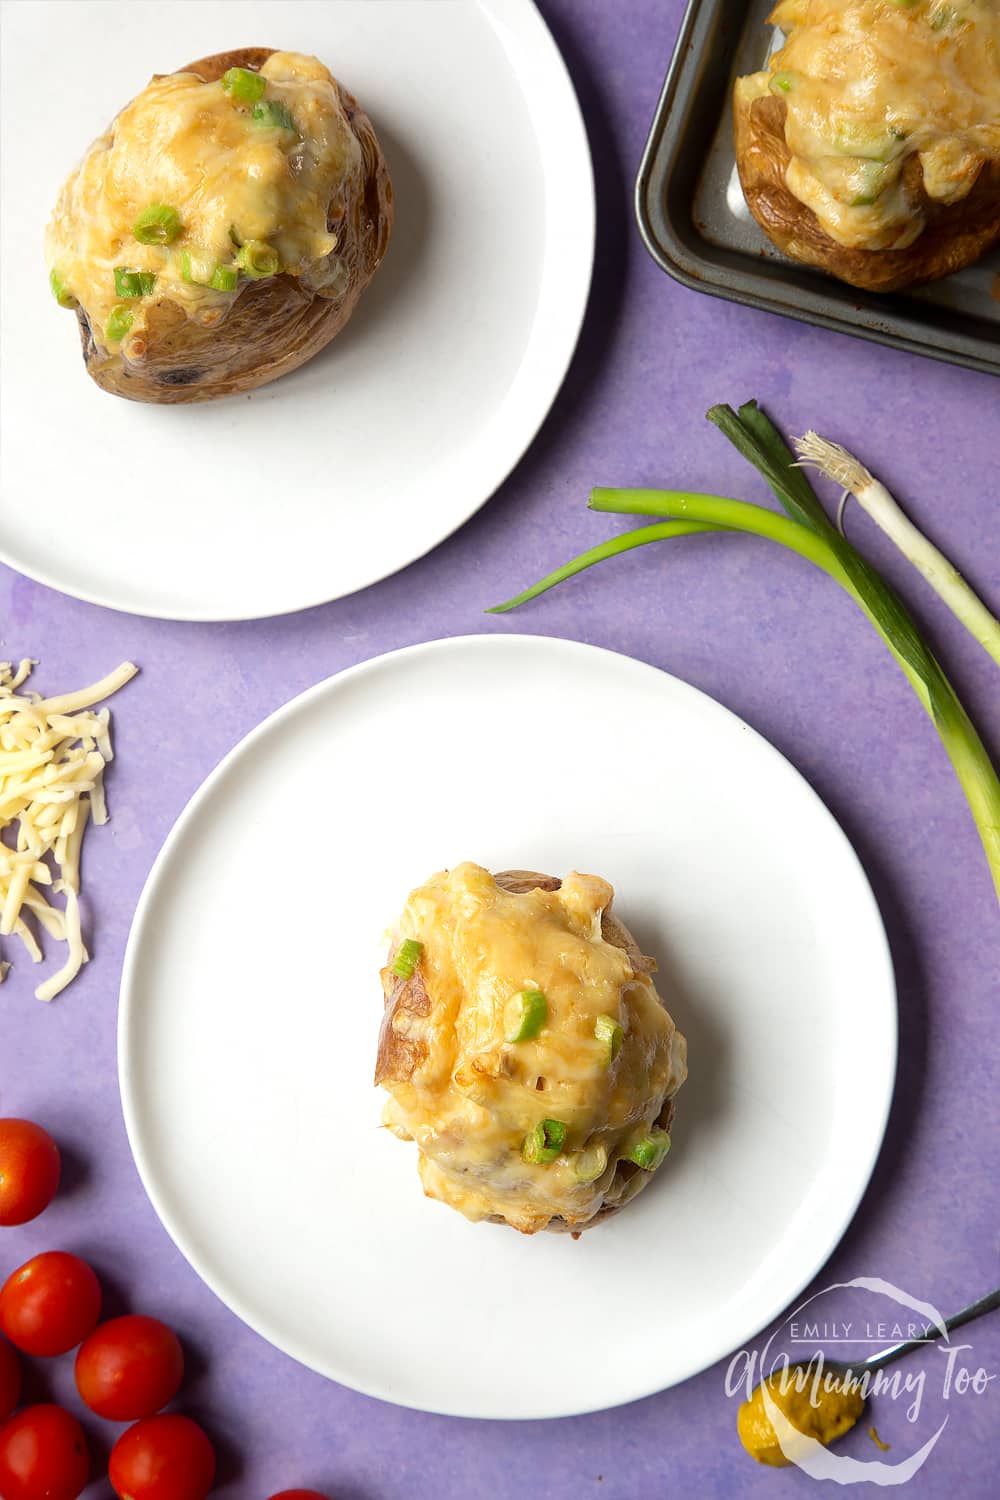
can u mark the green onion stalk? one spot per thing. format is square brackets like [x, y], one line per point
[805, 528]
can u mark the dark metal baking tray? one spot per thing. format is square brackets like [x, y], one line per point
[696, 225]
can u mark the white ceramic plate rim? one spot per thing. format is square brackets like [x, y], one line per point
[877, 1113]
[564, 287]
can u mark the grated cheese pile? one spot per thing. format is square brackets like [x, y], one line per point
[53, 752]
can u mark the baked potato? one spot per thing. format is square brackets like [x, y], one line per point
[222, 229]
[870, 146]
[525, 1049]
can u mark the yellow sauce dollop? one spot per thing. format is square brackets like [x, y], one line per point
[818, 1413]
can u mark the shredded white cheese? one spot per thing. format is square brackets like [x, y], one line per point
[53, 752]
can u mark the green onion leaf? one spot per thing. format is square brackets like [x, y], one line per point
[258, 259]
[157, 225]
[590, 1163]
[784, 82]
[243, 84]
[272, 114]
[649, 1151]
[407, 957]
[133, 283]
[118, 324]
[524, 1015]
[60, 291]
[610, 1034]
[225, 279]
[544, 1143]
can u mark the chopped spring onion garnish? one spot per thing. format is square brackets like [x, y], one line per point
[243, 84]
[60, 291]
[272, 114]
[610, 1034]
[524, 1015]
[648, 1152]
[133, 283]
[807, 530]
[225, 279]
[118, 324]
[157, 225]
[407, 957]
[258, 259]
[842, 467]
[590, 1163]
[544, 1143]
[783, 81]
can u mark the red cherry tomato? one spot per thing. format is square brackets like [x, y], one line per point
[43, 1455]
[130, 1367]
[50, 1304]
[298, 1495]
[163, 1458]
[10, 1380]
[29, 1171]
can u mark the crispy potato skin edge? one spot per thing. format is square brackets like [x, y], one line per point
[955, 235]
[275, 325]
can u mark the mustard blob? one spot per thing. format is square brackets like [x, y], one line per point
[814, 1411]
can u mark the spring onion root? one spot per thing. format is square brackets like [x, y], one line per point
[842, 467]
[807, 529]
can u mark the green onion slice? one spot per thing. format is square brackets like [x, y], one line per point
[610, 1034]
[271, 114]
[202, 269]
[258, 259]
[118, 324]
[784, 82]
[157, 225]
[524, 1015]
[590, 1163]
[60, 291]
[133, 283]
[544, 1143]
[225, 279]
[407, 957]
[648, 1152]
[243, 84]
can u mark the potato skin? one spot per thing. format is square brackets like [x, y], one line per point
[955, 234]
[275, 325]
[399, 1056]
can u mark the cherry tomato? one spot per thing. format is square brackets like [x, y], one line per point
[29, 1171]
[299, 1495]
[162, 1458]
[50, 1304]
[43, 1455]
[10, 1380]
[130, 1367]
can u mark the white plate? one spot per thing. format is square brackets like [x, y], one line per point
[360, 462]
[251, 1005]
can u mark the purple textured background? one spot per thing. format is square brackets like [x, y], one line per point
[750, 625]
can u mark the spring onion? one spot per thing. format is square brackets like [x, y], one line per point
[590, 1163]
[271, 114]
[118, 324]
[60, 291]
[243, 84]
[224, 279]
[544, 1143]
[258, 259]
[200, 268]
[842, 467]
[133, 283]
[783, 81]
[610, 1034]
[524, 1015]
[807, 530]
[407, 957]
[649, 1151]
[157, 225]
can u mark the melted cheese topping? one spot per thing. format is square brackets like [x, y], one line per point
[474, 1097]
[191, 146]
[870, 83]
[52, 757]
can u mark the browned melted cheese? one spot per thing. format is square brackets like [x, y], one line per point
[473, 1097]
[869, 83]
[191, 146]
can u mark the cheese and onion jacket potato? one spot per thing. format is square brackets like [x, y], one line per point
[870, 146]
[525, 1048]
[222, 229]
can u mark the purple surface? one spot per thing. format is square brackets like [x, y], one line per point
[748, 624]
